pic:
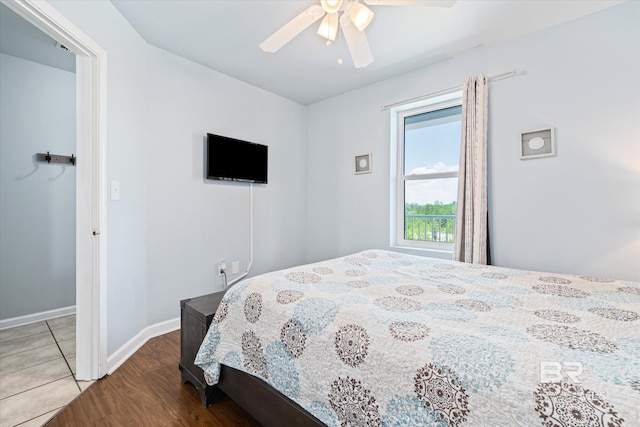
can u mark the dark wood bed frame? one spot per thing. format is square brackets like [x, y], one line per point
[266, 404]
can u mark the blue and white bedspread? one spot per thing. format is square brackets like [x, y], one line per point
[381, 338]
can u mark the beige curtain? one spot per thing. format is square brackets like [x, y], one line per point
[471, 221]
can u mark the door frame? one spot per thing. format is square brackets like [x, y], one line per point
[91, 238]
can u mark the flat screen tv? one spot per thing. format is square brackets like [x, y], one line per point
[230, 159]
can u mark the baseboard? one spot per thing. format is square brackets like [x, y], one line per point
[37, 317]
[130, 347]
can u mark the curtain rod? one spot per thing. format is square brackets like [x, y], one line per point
[441, 92]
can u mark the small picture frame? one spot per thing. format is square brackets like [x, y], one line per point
[363, 163]
[537, 143]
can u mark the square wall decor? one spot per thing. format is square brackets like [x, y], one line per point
[363, 163]
[537, 143]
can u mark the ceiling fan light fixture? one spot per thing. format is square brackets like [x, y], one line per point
[331, 6]
[361, 15]
[329, 26]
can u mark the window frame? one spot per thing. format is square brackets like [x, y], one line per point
[433, 104]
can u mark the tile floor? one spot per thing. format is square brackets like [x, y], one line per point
[37, 371]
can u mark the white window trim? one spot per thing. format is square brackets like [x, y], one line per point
[437, 103]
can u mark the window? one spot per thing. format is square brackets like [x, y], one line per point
[428, 158]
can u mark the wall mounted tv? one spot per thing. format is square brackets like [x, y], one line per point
[230, 159]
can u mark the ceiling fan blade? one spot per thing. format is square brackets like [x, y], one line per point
[356, 42]
[292, 28]
[431, 3]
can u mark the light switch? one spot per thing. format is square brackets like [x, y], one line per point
[115, 190]
[235, 267]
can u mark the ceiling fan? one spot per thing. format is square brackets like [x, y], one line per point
[349, 15]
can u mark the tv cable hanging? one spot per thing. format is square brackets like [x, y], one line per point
[246, 273]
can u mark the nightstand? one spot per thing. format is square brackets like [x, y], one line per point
[196, 315]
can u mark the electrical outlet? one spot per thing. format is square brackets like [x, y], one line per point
[235, 267]
[222, 268]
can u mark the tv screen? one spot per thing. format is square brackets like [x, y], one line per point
[230, 159]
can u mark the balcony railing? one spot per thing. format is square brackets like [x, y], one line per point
[430, 228]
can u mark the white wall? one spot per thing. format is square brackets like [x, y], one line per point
[171, 227]
[37, 201]
[195, 223]
[128, 147]
[578, 212]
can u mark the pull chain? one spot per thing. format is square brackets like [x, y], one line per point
[340, 40]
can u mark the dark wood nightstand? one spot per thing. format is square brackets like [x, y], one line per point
[196, 315]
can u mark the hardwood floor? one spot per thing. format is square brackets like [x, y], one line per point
[146, 391]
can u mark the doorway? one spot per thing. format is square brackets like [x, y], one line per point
[90, 271]
[38, 206]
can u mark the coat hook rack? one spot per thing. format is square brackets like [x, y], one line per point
[56, 158]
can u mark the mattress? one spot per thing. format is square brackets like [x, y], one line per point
[382, 338]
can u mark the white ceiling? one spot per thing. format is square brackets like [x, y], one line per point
[224, 35]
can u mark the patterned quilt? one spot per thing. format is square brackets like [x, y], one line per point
[381, 338]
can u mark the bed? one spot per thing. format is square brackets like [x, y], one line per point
[381, 338]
